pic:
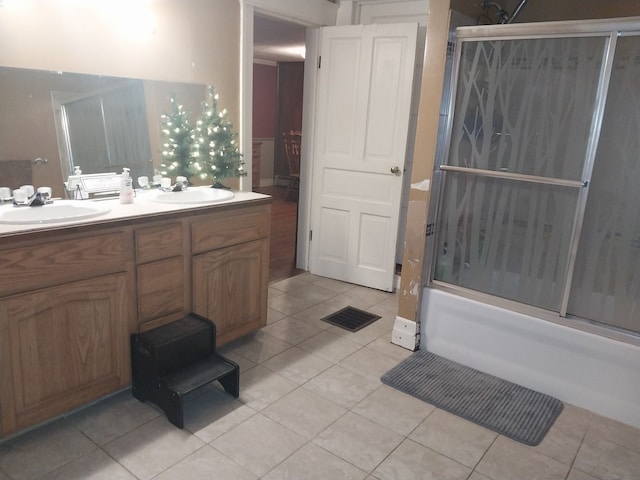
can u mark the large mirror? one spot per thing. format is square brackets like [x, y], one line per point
[97, 123]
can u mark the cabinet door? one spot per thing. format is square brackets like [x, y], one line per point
[161, 290]
[230, 288]
[62, 347]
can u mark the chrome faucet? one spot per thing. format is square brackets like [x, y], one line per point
[38, 199]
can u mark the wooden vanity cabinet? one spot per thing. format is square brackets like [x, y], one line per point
[162, 258]
[70, 298]
[64, 325]
[231, 270]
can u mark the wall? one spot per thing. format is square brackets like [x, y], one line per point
[554, 10]
[192, 42]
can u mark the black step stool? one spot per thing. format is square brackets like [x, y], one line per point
[173, 360]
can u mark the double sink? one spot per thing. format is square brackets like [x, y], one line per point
[72, 210]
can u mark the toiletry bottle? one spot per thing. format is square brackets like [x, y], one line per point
[126, 187]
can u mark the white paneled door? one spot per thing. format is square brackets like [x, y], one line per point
[364, 99]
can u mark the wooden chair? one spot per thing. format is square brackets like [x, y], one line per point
[291, 141]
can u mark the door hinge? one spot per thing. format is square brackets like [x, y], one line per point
[310, 235]
[319, 61]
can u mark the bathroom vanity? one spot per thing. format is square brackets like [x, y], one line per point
[71, 293]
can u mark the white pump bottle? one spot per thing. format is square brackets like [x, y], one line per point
[126, 187]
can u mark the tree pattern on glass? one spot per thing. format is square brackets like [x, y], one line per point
[528, 106]
[606, 284]
[522, 106]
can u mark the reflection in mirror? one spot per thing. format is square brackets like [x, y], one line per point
[104, 130]
[98, 123]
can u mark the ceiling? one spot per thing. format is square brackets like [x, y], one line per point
[278, 40]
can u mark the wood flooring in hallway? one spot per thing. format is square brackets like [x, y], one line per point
[283, 234]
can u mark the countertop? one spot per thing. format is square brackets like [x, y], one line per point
[143, 206]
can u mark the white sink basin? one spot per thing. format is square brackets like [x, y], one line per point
[60, 211]
[195, 195]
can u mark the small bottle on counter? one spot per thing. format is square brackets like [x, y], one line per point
[126, 187]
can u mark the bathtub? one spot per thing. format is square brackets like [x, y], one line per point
[580, 368]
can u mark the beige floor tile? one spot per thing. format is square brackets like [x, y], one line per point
[274, 292]
[413, 461]
[153, 447]
[304, 412]
[510, 460]
[606, 460]
[364, 298]
[291, 331]
[358, 441]
[113, 417]
[616, 432]
[334, 285]
[40, 451]
[578, 475]
[329, 346]
[291, 283]
[259, 444]
[257, 347]
[314, 294]
[342, 386]
[313, 463]
[314, 315]
[290, 303]
[369, 362]
[206, 463]
[364, 336]
[274, 315]
[214, 413]
[394, 410]
[384, 345]
[96, 465]
[260, 387]
[478, 476]
[297, 365]
[563, 439]
[455, 437]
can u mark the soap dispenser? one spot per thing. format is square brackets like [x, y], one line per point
[126, 187]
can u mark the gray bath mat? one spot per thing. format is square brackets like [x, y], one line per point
[504, 407]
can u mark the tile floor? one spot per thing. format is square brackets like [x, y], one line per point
[312, 407]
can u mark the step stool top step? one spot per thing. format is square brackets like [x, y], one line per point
[189, 325]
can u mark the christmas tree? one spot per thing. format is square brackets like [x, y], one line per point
[178, 140]
[215, 154]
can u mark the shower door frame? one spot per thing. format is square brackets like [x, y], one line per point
[609, 30]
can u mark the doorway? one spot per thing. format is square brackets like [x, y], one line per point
[278, 77]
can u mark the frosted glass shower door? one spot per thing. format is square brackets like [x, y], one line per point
[606, 284]
[518, 155]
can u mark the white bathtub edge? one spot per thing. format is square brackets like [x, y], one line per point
[586, 370]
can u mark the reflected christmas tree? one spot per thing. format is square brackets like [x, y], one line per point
[215, 153]
[177, 133]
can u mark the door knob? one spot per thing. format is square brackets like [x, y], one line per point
[395, 169]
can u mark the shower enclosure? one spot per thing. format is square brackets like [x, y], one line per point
[538, 184]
